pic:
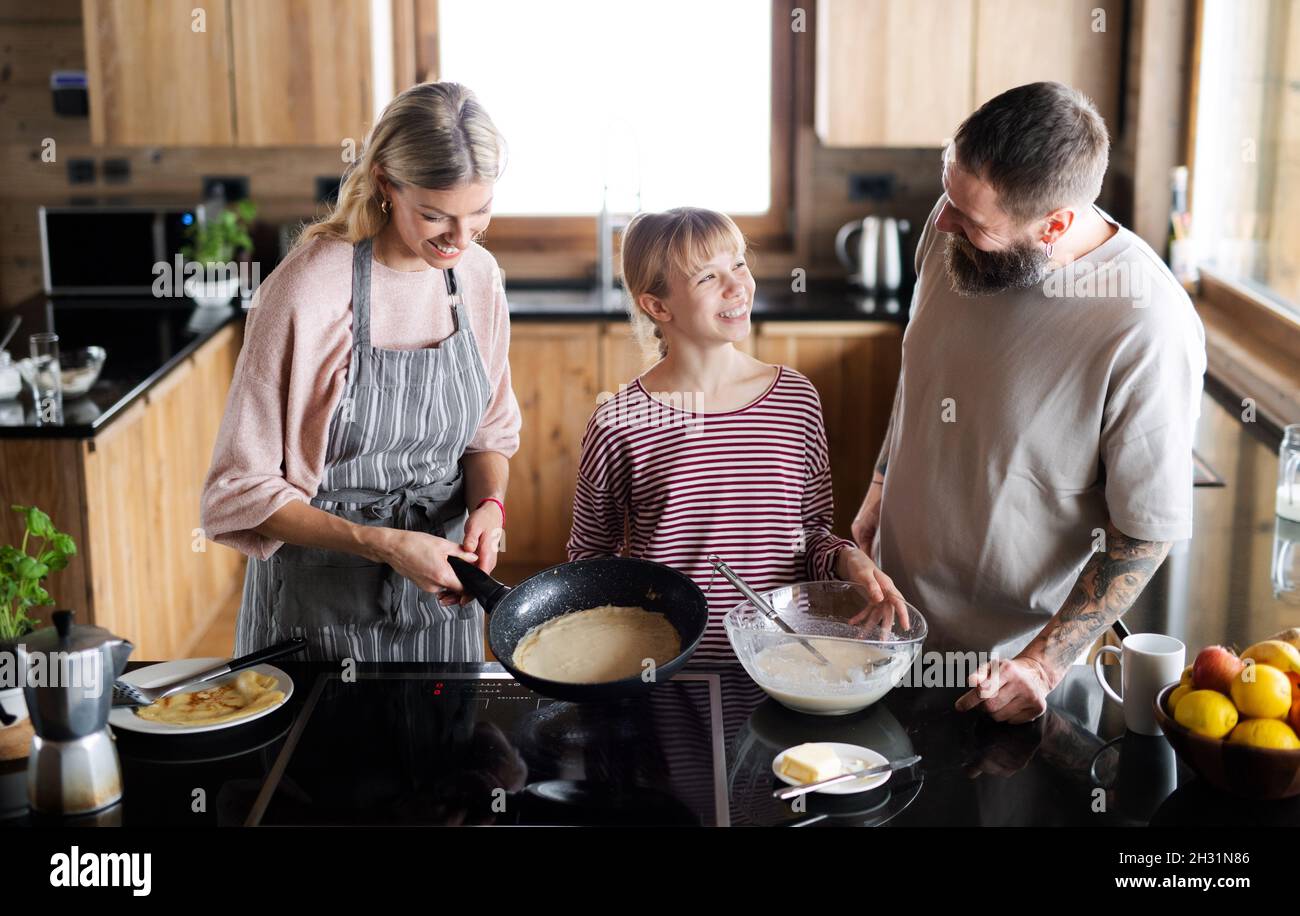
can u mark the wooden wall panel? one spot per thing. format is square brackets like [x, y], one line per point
[855, 370]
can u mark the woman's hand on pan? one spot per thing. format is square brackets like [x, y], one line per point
[484, 535]
[422, 558]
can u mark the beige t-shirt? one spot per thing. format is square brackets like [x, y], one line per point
[1024, 420]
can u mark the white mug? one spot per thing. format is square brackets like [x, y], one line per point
[1148, 661]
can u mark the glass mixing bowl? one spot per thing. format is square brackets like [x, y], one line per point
[869, 646]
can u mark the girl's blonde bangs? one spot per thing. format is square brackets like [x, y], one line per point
[698, 238]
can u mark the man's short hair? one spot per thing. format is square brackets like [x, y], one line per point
[1041, 146]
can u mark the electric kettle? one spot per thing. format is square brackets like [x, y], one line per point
[874, 260]
[68, 673]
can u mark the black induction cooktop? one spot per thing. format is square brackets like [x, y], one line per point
[394, 748]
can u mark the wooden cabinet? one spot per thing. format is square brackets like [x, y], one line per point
[561, 368]
[253, 73]
[130, 499]
[854, 366]
[906, 72]
[555, 367]
[158, 74]
[1076, 42]
[622, 358]
[892, 72]
[302, 71]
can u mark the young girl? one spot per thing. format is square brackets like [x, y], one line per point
[711, 450]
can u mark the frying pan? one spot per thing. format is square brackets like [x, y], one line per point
[577, 586]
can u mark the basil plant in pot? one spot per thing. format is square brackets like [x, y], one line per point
[23, 569]
[212, 273]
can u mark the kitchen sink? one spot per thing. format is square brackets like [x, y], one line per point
[578, 299]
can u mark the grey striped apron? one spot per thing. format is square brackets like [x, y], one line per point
[396, 439]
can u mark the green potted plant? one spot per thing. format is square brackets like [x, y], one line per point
[23, 569]
[212, 245]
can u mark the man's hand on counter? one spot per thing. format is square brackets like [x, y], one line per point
[1016, 690]
[1009, 689]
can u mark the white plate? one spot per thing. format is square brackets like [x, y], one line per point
[847, 753]
[125, 717]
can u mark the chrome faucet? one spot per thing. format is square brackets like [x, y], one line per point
[627, 156]
[609, 296]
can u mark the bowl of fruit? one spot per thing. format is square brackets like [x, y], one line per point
[1235, 720]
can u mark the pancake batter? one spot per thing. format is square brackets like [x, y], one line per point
[599, 644]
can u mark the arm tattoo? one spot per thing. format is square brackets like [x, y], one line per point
[1108, 586]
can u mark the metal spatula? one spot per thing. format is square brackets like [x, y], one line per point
[125, 694]
[763, 607]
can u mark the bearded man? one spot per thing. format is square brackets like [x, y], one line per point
[1038, 463]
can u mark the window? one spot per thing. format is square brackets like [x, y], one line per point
[663, 104]
[1246, 154]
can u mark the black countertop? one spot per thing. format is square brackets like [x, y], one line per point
[145, 338]
[423, 745]
[433, 744]
[774, 300]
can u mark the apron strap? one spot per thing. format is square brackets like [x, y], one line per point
[361, 253]
[453, 293]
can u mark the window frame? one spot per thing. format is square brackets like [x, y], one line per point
[772, 231]
[1215, 287]
[1252, 341]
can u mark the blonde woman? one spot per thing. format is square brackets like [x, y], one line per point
[369, 426]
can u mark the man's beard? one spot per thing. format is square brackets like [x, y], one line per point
[973, 272]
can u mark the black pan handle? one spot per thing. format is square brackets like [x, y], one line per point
[480, 585]
[287, 647]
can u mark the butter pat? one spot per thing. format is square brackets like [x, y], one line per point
[811, 763]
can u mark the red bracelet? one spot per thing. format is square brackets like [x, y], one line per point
[500, 505]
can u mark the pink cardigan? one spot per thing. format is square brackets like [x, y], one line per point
[293, 366]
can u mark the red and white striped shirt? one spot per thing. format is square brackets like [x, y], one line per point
[669, 483]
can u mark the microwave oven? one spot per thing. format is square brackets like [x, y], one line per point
[91, 250]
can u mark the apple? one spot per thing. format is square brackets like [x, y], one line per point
[1215, 668]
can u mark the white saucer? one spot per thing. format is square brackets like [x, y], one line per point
[847, 753]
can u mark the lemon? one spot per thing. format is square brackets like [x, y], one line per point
[1262, 692]
[1265, 733]
[1206, 712]
[1177, 694]
[1186, 679]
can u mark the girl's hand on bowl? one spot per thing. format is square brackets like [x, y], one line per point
[887, 604]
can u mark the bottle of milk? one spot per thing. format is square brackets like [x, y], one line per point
[1288, 474]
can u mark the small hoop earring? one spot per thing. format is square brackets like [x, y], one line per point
[1049, 249]
[386, 206]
